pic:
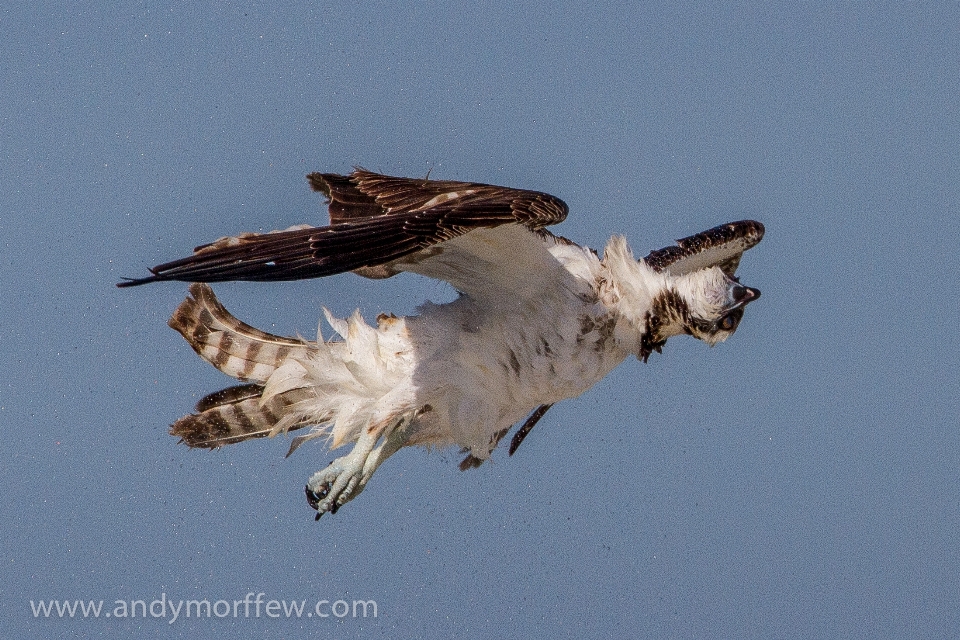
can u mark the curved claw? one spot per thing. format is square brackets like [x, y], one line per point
[345, 478]
[315, 497]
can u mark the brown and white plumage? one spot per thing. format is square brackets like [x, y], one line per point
[236, 413]
[539, 319]
[374, 220]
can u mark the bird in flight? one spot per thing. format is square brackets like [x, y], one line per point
[539, 319]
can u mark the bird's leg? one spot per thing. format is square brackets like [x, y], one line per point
[472, 462]
[344, 478]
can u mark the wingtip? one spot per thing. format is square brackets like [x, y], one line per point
[754, 227]
[136, 282]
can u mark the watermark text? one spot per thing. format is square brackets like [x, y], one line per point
[253, 605]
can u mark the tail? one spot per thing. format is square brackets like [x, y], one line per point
[340, 387]
[236, 414]
[241, 412]
[230, 345]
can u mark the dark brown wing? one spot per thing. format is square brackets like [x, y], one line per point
[721, 246]
[375, 219]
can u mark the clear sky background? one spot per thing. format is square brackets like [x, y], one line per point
[801, 480]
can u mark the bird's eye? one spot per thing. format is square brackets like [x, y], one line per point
[729, 321]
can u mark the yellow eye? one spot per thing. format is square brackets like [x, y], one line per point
[729, 322]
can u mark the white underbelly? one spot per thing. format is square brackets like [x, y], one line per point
[497, 368]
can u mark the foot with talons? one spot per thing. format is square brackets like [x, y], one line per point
[346, 477]
[315, 497]
[338, 484]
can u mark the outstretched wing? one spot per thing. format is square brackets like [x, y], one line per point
[721, 246]
[375, 220]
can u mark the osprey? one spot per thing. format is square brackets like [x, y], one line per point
[539, 319]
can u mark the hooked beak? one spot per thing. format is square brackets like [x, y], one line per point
[743, 295]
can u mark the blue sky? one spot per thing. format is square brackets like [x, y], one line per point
[801, 480]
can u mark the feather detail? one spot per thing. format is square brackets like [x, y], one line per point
[338, 387]
[233, 415]
[230, 345]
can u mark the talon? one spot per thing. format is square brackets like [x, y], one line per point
[315, 497]
[345, 478]
[312, 499]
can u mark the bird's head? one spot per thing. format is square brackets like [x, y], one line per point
[687, 288]
[706, 304]
[704, 299]
[711, 305]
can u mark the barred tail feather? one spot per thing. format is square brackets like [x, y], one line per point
[339, 387]
[242, 412]
[232, 346]
[239, 413]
